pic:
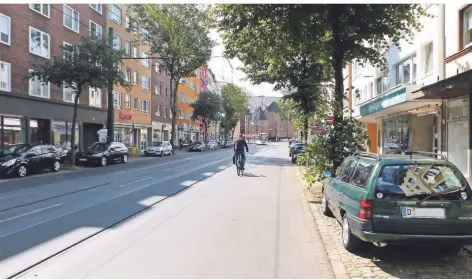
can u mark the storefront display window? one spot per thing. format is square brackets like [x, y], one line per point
[14, 131]
[397, 135]
[458, 133]
[125, 135]
[39, 131]
[62, 134]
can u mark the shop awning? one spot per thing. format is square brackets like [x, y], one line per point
[451, 87]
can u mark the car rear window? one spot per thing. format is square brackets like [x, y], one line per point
[419, 180]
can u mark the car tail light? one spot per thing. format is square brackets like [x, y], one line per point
[366, 209]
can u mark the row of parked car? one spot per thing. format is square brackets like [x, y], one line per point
[210, 145]
[23, 159]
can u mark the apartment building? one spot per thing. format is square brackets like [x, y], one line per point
[133, 121]
[160, 102]
[29, 111]
[187, 92]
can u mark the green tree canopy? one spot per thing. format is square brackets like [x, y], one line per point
[234, 101]
[179, 36]
[89, 64]
[207, 109]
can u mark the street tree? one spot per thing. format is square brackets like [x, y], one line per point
[89, 64]
[234, 101]
[206, 109]
[179, 37]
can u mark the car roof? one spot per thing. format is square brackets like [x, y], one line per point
[404, 159]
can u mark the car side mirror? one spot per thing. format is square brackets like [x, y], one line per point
[29, 155]
[327, 174]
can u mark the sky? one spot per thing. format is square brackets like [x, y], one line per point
[224, 73]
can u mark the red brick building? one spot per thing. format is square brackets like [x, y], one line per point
[29, 111]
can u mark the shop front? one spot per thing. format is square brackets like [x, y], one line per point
[160, 131]
[397, 123]
[25, 119]
[132, 134]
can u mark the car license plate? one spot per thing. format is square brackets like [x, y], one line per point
[423, 213]
[82, 159]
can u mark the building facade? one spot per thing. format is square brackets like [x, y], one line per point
[29, 111]
[187, 93]
[133, 121]
[160, 101]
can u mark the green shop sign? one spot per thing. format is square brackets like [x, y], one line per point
[384, 101]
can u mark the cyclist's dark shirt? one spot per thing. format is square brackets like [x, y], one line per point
[240, 144]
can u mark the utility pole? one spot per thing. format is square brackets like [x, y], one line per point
[110, 110]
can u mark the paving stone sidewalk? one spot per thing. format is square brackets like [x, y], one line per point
[389, 262]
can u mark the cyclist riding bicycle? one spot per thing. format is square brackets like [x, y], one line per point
[238, 147]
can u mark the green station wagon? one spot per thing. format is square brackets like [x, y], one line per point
[414, 199]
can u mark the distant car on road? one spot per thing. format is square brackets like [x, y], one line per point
[212, 145]
[102, 154]
[197, 146]
[23, 159]
[160, 148]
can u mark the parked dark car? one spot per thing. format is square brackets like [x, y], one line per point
[197, 146]
[23, 159]
[102, 153]
[291, 146]
[296, 151]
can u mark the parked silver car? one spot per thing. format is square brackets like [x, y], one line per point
[160, 148]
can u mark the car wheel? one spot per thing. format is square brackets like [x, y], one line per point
[56, 166]
[103, 161]
[324, 205]
[350, 241]
[124, 159]
[22, 171]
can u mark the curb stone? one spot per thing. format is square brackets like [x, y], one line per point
[337, 265]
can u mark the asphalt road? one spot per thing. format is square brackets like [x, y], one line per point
[135, 221]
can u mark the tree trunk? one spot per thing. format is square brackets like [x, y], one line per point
[232, 134]
[337, 54]
[305, 128]
[205, 123]
[173, 99]
[74, 121]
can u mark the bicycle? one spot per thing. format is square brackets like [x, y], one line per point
[134, 151]
[239, 164]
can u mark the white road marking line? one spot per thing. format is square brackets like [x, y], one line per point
[208, 174]
[144, 179]
[7, 196]
[117, 196]
[187, 183]
[29, 213]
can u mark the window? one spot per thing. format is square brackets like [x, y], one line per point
[135, 77]
[117, 99]
[345, 170]
[5, 29]
[95, 30]
[144, 59]
[95, 97]
[382, 85]
[5, 76]
[181, 114]
[466, 27]
[127, 48]
[39, 42]
[135, 103]
[361, 174]
[40, 8]
[157, 89]
[145, 36]
[71, 19]
[165, 92]
[182, 96]
[157, 67]
[38, 89]
[128, 23]
[158, 110]
[69, 95]
[165, 112]
[128, 75]
[135, 52]
[128, 101]
[68, 49]
[115, 14]
[145, 106]
[97, 7]
[116, 41]
[405, 71]
[145, 82]
[428, 56]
